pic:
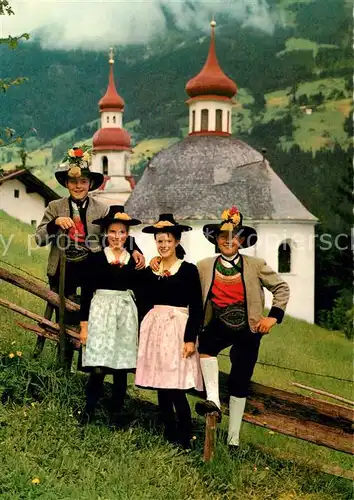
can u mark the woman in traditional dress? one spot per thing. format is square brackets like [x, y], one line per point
[109, 317]
[167, 357]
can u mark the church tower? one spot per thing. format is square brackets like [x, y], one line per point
[112, 146]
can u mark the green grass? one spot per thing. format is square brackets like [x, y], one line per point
[40, 437]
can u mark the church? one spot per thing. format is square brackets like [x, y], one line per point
[204, 173]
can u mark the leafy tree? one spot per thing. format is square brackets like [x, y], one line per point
[7, 134]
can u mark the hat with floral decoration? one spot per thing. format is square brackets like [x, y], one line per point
[116, 213]
[231, 220]
[166, 224]
[76, 164]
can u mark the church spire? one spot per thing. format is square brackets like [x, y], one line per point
[111, 101]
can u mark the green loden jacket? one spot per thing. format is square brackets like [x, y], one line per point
[256, 275]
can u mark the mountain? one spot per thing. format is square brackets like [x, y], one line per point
[63, 87]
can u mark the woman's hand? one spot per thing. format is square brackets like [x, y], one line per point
[188, 349]
[155, 263]
[139, 260]
[265, 324]
[83, 332]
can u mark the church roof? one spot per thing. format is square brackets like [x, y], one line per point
[211, 80]
[198, 177]
[111, 101]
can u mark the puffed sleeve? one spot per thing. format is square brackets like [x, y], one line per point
[195, 305]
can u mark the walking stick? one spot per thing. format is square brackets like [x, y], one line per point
[210, 434]
[62, 337]
[41, 340]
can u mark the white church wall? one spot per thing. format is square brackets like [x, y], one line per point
[111, 119]
[211, 106]
[28, 207]
[301, 277]
[270, 236]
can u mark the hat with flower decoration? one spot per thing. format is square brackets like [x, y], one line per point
[76, 164]
[166, 224]
[231, 220]
[116, 213]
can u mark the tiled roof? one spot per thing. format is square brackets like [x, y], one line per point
[198, 177]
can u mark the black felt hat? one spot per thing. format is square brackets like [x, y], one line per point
[75, 171]
[231, 221]
[116, 213]
[166, 224]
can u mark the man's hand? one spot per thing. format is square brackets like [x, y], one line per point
[64, 222]
[265, 324]
[139, 260]
[188, 349]
[155, 263]
[83, 332]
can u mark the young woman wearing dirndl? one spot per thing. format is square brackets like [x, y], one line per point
[109, 317]
[167, 357]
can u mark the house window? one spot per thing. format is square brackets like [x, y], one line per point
[33, 223]
[193, 121]
[16, 193]
[218, 120]
[284, 257]
[205, 119]
[114, 119]
[105, 165]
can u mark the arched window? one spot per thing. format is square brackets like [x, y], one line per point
[107, 119]
[205, 120]
[104, 165]
[114, 119]
[193, 121]
[284, 257]
[218, 120]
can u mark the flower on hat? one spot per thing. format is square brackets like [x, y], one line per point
[231, 215]
[76, 156]
[163, 223]
[227, 226]
[122, 216]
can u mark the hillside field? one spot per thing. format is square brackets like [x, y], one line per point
[41, 440]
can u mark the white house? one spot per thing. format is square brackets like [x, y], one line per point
[24, 196]
[208, 171]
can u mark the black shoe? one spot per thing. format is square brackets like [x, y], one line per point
[205, 407]
[84, 418]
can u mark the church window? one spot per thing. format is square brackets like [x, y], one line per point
[228, 122]
[193, 121]
[218, 120]
[284, 257]
[205, 119]
[105, 165]
[107, 119]
[114, 119]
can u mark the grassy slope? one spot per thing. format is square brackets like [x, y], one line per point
[42, 440]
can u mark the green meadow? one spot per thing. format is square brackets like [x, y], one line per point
[45, 454]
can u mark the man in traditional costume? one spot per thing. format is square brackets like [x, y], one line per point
[233, 297]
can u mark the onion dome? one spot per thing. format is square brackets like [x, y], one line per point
[211, 80]
[111, 138]
[111, 101]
